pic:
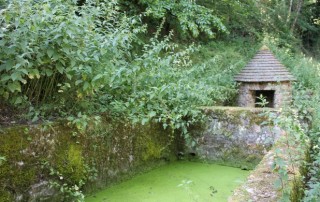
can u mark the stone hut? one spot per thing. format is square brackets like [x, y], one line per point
[266, 76]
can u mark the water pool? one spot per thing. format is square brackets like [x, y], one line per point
[180, 181]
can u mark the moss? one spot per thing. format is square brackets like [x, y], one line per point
[26, 148]
[70, 163]
[148, 146]
[236, 114]
[151, 151]
[299, 183]
[297, 191]
[19, 170]
[5, 196]
[115, 149]
[237, 158]
[234, 158]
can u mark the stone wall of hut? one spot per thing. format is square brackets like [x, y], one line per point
[282, 94]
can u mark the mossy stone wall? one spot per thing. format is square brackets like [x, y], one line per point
[233, 136]
[101, 155]
[114, 150]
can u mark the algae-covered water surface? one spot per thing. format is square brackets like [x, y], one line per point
[176, 182]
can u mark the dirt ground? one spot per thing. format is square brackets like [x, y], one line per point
[10, 116]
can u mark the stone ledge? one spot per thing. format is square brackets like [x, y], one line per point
[260, 185]
[234, 109]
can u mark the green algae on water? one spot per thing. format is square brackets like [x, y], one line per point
[177, 182]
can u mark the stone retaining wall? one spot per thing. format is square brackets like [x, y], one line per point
[106, 153]
[234, 136]
[56, 153]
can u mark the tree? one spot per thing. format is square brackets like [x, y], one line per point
[186, 17]
[309, 27]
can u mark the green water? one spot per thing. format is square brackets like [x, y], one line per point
[176, 182]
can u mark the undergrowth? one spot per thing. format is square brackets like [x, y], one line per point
[301, 122]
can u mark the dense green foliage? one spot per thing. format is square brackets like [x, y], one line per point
[95, 58]
[119, 56]
[186, 17]
[56, 50]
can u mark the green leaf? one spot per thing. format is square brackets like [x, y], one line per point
[144, 121]
[18, 100]
[98, 76]
[86, 86]
[16, 76]
[96, 58]
[60, 68]
[73, 63]
[69, 76]
[78, 82]
[278, 184]
[55, 56]
[48, 72]
[14, 86]
[152, 114]
[5, 78]
[50, 52]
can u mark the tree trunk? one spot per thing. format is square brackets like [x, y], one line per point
[289, 11]
[298, 10]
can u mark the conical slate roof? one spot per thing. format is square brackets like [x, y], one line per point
[264, 67]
